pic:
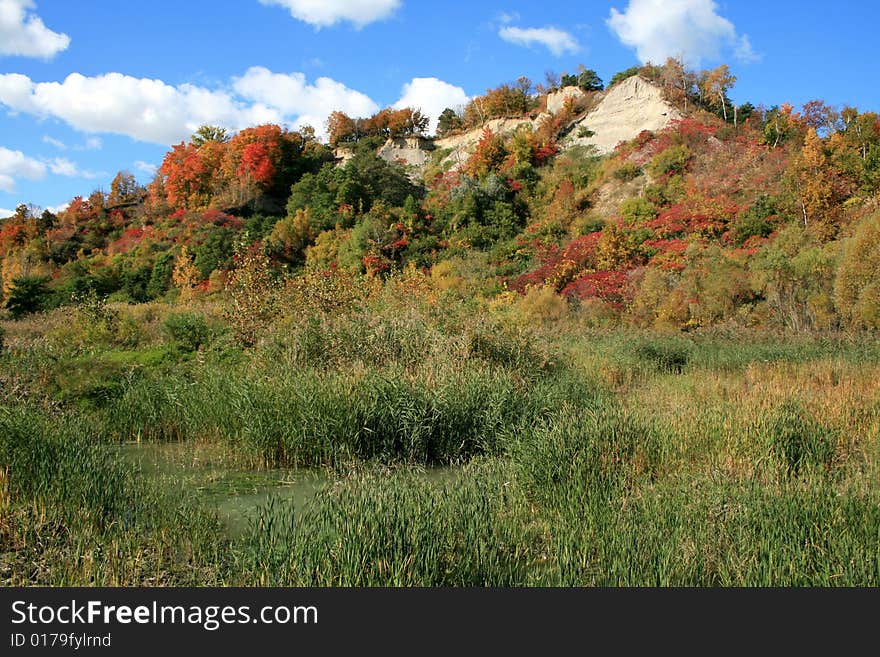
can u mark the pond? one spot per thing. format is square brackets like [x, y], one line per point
[234, 491]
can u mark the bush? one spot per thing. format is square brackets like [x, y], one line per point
[188, 330]
[628, 171]
[636, 210]
[671, 161]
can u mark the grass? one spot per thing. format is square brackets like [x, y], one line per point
[602, 458]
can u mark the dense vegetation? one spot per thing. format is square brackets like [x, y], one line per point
[544, 368]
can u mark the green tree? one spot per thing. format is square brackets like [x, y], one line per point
[27, 295]
[448, 122]
[624, 75]
[207, 133]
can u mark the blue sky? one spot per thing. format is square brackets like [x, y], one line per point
[92, 87]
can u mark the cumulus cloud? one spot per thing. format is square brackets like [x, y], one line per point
[144, 109]
[289, 94]
[24, 33]
[323, 13]
[431, 96]
[148, 110]
[555, 40]
[154, 111]
[5, 214]
[690, 29]
[15, 164]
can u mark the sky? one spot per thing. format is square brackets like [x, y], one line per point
[93, 87]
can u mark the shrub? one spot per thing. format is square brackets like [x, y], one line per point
[636, 210]
[628, 171]
[188, 330]
[670, 161]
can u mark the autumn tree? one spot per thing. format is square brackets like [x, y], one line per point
[856, 286]
[820, 116]
[812, 178]
[780, 124]
[714, 86]
[185, 275]
[341, 129]
[252, 294]
[186, 181]
[124, 189]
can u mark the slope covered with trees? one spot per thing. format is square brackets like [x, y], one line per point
[747, 214]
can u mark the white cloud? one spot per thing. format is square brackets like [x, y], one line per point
[555, 40]
[323, 13]
[59, 208]
[431, 96]
[61, 166]
[690, 29]
[60, 145]
[153, 111]
[744, 51]
[23, 33]
[15, 164]
[146, 167]
[5, 214]
[288, 94]
[93, 144]
[144, 109]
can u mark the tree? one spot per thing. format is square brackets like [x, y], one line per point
[779, 125]
[819, 116]
[624, 75]
[341, 129]
[714, 86]
[448, 122]
[123, 189]
[252, 295]
[856, 287]
[810, 171]
[588, 79]
[28, 294]
[209, 133]
[185, 275]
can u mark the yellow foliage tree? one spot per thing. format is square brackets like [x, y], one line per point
[857, 285]
[185, 275]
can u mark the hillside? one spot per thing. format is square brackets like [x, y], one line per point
[589, 336]
[654, 201]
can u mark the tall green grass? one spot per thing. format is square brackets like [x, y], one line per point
[578, 459]
[74, 514]
[399, 529]
[311, 418]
